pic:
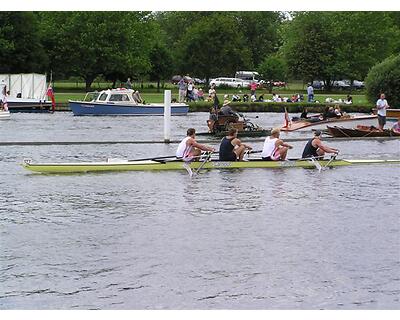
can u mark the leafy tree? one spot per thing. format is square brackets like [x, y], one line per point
[385, 77]
[362, 40]
[213, 46]
[20, 43]
[273, 68]
[90, 44]
[261, 32]
[309, 47]
[161, 64]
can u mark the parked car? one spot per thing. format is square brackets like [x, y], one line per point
[340, 84]
[318, 84]
[177, 78]
[230, 82]
[358, 84]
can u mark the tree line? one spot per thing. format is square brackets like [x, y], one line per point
[156, 45]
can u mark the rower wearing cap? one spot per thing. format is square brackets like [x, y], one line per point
[274, 149]
[189, 149]
[231, 148]
[315, 149]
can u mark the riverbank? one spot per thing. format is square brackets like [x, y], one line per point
[264, 107]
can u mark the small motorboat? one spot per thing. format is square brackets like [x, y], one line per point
[121, 102]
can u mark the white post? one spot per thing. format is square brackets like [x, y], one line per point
[167, 116]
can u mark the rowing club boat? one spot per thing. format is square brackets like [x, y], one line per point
[159, 164]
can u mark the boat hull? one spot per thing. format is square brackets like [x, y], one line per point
[180, 165]
[346, 132]
[28, 105]
[80, 108]
[350, 122]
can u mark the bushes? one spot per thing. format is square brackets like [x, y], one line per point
[277, 107]
[385, 77]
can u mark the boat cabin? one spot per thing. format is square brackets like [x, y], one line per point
[114, 96]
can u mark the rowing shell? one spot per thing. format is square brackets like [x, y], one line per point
[127, 165]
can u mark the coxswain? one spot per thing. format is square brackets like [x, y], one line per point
[231, 148]
[315, 149]
[189, 149]
[274, 149]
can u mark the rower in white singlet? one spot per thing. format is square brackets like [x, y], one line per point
[189, 149]
[274, 149]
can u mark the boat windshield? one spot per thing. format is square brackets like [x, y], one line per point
[91, 96]
[103, 96]
[119, 97]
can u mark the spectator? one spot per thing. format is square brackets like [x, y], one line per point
[310, 93]
[245, 97]
[200, 94]
[253, 88]
[349, 99]
[236, 98]
[190, 88]
[128, 84]
[182, 89]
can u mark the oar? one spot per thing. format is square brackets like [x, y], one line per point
[329, 162]
[316, 163]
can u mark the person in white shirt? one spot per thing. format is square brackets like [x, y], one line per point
[189, 150]
[274, 149]
[382, 105]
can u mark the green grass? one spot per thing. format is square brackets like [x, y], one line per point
[67, 90]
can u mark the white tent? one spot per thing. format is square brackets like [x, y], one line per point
[29, 86]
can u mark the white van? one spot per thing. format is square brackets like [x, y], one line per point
[230, 82]
[248, 75]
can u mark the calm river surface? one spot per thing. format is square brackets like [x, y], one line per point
[244, 239]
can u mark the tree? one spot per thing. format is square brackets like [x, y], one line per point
[20, 43]
[90, 44]
[273, 68]
[309, 47]
[161, 64]
[385, 77]
[261, 32]
[362, 40]
[213, 46]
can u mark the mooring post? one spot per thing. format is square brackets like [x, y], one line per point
[167, 116]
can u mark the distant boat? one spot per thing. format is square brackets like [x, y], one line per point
[349, 121]
[121, 102]
[4, 115]
[25, 92]
[361, 131]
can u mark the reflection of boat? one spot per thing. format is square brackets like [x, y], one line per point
[154, 164]
[4, 115]
[26, 92]
[361, 131]
[316, 123]
[120, 102]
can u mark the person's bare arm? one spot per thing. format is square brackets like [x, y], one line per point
[203, 147]
[326, 149]
[283, 144]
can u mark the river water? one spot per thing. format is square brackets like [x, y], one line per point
[244, 239]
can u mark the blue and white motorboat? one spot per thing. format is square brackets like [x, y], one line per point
[121, 102]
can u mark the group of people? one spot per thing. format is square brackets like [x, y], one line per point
[188, 91]
[232, 149]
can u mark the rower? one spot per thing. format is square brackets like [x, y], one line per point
[189, 149]
[275, 149]
[315, 149]
[231, 148]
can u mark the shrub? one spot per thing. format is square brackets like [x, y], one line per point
[385, 78]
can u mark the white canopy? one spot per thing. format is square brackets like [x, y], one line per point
[30, 86]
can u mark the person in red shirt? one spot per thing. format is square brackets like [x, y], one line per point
[253, 87]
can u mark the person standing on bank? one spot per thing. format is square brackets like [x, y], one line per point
[315, 149]
[382, 105]
[274, 149]
[310, 93]
[231, 148]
